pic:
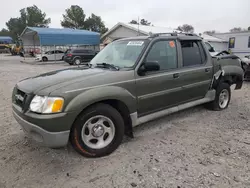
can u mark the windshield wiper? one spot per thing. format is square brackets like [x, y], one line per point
[107, 65]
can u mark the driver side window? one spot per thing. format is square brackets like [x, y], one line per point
[164, 53]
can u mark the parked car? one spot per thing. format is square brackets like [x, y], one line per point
[78, 56]
[130, 82]
[246, 67]
[50, 56]
[65, 53]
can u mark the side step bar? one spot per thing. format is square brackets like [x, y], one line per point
[210, 96]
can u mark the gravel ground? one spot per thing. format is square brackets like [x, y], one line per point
[193, 148]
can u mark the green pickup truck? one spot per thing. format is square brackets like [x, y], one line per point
[130, 82]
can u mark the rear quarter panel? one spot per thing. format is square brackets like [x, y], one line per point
[231, 67]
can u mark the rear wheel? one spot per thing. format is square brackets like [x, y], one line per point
[45, 59]
[77, 61]
[222, 98]
[98, 131]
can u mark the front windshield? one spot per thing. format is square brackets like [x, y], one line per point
[120, 53]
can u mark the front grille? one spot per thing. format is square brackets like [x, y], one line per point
[19, 97]
[22, 99]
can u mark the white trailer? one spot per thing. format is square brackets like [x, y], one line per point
[238, 42]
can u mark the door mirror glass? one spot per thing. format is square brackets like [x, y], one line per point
[151, 66]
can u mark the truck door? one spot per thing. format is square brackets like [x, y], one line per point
[196, 70]
[160, 89]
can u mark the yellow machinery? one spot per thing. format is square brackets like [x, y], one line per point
[4, 48]
[15, 49]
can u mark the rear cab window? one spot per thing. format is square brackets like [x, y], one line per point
[193, 53]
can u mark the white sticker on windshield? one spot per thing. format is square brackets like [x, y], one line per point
[135, 43]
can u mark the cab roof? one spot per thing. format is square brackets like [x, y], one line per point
[182, 36]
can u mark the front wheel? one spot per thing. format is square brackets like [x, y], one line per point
[44, 59]
[98, 131]
[222, 98]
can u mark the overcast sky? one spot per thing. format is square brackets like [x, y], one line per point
[219, 15]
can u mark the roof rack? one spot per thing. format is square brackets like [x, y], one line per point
[172, 34]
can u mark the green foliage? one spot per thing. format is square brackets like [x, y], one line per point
[34, 17]
[31, 16]
[74, 17]
[186, 28]
[145, 22]
[210, 32]
[133, 22]
[142, 22]
[95, 23]
[5, 32]
[15, 27]
[237, 29]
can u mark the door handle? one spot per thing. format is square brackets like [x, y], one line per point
[176, 75]
[207, 70]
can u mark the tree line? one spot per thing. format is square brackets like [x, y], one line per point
[74, 17]
[189, 28]
[184, 28]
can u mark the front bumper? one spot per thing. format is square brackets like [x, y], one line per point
[51, 130]
[67, 60]
[49, 139]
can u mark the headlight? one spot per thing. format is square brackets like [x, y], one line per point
[46, 105]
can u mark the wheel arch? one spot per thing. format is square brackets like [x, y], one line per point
[120, 99]
[231, 75]
[76, 57]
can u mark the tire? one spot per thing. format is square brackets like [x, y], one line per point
[77, 61]
[93, 144]
[45, 59]
[217, 104]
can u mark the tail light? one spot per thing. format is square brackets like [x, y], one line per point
[69, 55]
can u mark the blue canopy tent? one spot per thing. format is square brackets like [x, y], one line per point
[52, 36]
[6, 40]
[33, 37]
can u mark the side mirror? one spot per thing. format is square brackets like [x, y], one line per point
[148, 66]
[151, 66]
[211, 49]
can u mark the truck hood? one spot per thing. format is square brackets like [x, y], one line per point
[37, 83]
